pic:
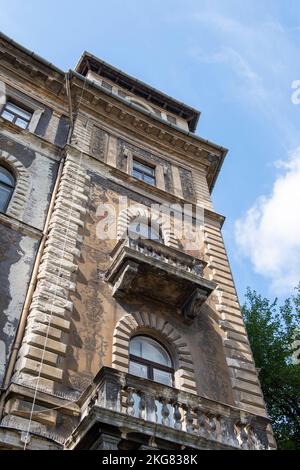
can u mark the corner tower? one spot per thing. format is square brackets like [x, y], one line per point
[134, 336]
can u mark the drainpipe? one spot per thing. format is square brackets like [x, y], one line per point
[30, 291]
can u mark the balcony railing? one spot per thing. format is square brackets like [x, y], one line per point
[160, 272]
[137, 404]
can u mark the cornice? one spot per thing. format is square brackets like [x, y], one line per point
[39, 144]
[119, 113]
[141, 188]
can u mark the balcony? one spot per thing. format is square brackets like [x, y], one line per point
[139, 413]
[159, 272]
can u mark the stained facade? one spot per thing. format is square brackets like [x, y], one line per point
[114, 342]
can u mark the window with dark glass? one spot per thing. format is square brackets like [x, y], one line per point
[7, 186]
[150, 360]
[143, 172]
[171, 119]
[19, 116]
[106, 85]
[140, 229]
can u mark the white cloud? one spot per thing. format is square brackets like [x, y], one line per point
[269, 233]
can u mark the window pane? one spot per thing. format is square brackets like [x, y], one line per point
[8, 116]
[106, 85]
[21, 123]
[149, 349]
[143, 168]
[149, 180]
[5, 194]
[19, 111]
[137, 174]
[6, 177]
[162, 377]
[138, 369]
[171, 119]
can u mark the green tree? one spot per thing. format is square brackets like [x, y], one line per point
[273, 331]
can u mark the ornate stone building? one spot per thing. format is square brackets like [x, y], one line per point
[115, 331]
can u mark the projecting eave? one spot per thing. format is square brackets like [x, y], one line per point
[216, 153]
[89, 62]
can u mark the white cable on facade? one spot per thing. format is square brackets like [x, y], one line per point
[54, 295]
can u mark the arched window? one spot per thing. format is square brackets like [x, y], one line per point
[7, 186]
[140, 229]
[150, 360]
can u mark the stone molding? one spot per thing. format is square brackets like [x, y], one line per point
[48, 323]
[144, 213]
[19, 198]
[129, 325]
[243, 375]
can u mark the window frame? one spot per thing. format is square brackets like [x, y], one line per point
[151, 365]
[143, 173]
[20, 100]
[15, 114]
[11, 187]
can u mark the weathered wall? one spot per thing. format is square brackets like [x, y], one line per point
[96, 312]
[17, 253]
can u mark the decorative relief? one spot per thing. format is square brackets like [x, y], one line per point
[125, 147]
[99, 143]
[187, 184]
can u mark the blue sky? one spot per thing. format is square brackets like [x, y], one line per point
[235, 61]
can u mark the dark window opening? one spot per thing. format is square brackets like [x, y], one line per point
[171, 119]
[7, 186]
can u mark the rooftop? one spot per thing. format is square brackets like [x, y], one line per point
[89, 62]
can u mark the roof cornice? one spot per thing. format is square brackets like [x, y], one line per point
[117, 110]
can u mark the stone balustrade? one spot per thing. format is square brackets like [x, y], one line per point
[166, 274]
[141, 400]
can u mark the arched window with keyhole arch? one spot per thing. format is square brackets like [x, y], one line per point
[7, 186]
[150, 360]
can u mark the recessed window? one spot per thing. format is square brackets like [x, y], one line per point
[19, 116]
[171, 119]
[122, 93]
[150, 360]
[143, 172]
[7, 186]
[106, 85]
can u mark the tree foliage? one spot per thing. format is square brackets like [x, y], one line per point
[273, 332]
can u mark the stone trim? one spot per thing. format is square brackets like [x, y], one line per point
[20, 195]
[50, 306]
[129, 324]
[244, 379]
[126, 216]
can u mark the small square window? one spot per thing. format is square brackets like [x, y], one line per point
[19, 116]
[122, 93]
[106, 85]
[171, 119]
[143, 172]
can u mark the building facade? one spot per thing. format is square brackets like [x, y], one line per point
[120, 323]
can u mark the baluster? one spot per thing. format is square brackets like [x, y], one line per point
[142, 406]
[224, 432]
[243, 435]
[177, 416]
[189, 420]
[165, 412]
[130, 401]
[201, 419]
[151, 409]
[212, 426]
